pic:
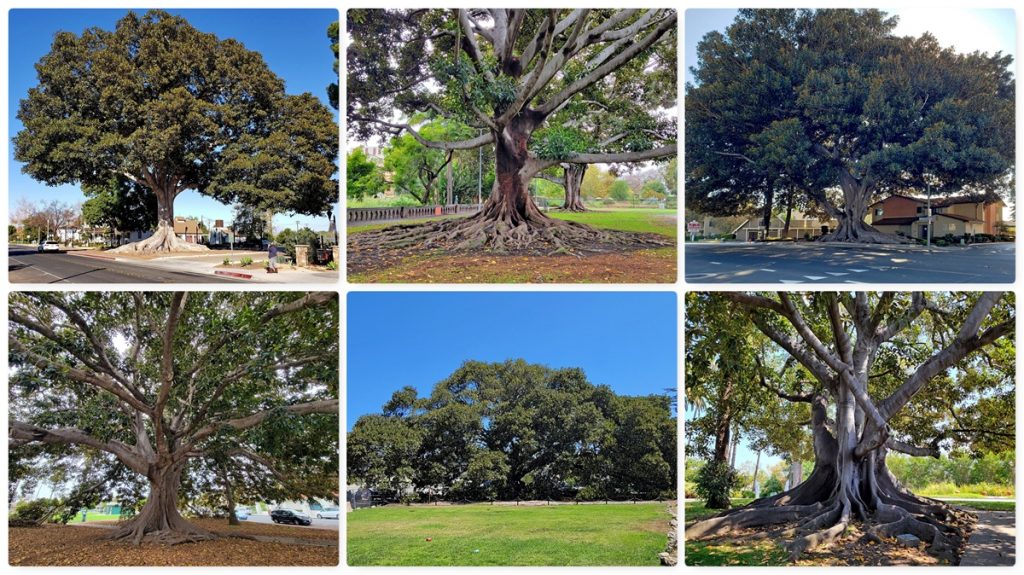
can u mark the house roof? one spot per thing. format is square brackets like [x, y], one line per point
[895, 221]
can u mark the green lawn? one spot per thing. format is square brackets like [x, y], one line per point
[647, 220]
[696, 509]
[89, 518]
[985, 505]
[704, 553]
[481, 534]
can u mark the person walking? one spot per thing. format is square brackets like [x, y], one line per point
[272, 258]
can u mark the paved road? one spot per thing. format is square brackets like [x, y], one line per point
[25, 265]
[317, 523]
[800, 262]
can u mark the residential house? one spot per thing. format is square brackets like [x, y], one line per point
[220, 235]
[188, 230]
[801, 226]
[955, 215]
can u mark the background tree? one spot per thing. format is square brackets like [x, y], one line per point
[514, 430]
[332, 35]
[250, 223]
[170, 108]
[852, 106]
[620, 191]
[890, 372]
[363, 176]
[507, 72]
[119, 204]
[160, 380]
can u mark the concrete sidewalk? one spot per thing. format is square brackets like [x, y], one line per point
[993, 541]
[209, 264]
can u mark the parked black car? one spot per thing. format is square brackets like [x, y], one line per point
[289, 516]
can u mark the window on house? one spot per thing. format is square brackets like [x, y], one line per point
[878, 212]
[920, 210]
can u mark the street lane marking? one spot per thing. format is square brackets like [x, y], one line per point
[791, 281]
[856, 271]
[767, 270]
[815, 278]
[838, 273]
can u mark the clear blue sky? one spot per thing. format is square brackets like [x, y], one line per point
[294, 44]
[626, 340]
[966, 29]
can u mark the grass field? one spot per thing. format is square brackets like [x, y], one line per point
[627, 220]
[560, 535]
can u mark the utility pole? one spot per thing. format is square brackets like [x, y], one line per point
[929, 209]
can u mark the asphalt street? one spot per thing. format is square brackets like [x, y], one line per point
[26, 265]
[799, 262]
[317, 523]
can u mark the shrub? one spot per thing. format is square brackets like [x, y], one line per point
[714, 482]
[246, 261]
[332, 265]
[227, 261]
[35, 511]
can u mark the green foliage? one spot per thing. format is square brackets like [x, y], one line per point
[245, 261]
[227, 261]
[620, 191]
[287, 238]
[949, 474]
[250, 223]
[363, 177]
[332, 34]
[848, 96]
[332, 265]
[516, 431]
[36, 510]
[119, 204]
[715, 480]
[559, 143]
[175, 108]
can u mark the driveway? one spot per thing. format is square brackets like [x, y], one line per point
[806, 262]
[993, 541]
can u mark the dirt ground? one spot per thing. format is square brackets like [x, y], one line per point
[77, 545]
[639, 266]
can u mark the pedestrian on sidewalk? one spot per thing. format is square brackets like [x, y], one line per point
[272, 259]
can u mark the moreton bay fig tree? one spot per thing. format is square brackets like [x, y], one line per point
[168, 384]
[912, 373]
[170, 108]
[508, 75]
[823, 100]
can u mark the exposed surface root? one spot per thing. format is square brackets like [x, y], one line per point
[135, 532]
[943, 529]
[535, 236]
[163, 240]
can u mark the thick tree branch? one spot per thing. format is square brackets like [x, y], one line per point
[328, 406]
[22, 433]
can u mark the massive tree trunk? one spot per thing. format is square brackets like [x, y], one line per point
[843, 487]
[850, 480]
[164, 238]
[766, 212]
[852, 227]
[159, 521]
[573, 182]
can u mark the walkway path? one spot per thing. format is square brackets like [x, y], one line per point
[993, 541]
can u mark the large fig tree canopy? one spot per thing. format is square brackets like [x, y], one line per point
[170, 108]
[162, 384]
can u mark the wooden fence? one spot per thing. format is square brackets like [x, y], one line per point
[358, 215]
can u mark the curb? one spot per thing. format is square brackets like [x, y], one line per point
[233, 274]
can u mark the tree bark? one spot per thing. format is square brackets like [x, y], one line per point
[163, 239]
[159, 520]
[573, 182]
[852, 227]
[766, 214]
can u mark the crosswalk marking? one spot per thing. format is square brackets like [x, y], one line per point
[838, 273]
[767, 270]
[856, 271]
[815, 278]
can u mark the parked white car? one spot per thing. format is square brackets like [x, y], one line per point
[329, 513]
[49, 246]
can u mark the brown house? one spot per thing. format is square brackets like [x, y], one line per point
[188, 230]
[955, 215]
[801, 225]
